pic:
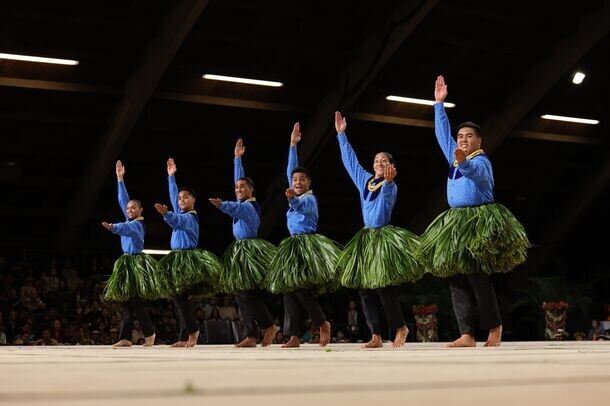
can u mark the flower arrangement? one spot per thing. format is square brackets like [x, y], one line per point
[561, 305]
[424, 309]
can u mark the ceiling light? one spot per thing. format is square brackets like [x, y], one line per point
[578, 78]
[243, 80]
[156, 252]
[416, 101]
[40, 59]
[570, 119]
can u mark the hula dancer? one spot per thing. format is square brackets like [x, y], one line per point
[475, 237]
[306, 261]
[247, 259]
[380, 256]
[134, 273]
[186, 268]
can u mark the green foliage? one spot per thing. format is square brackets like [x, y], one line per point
[378, 257]
[246, 263]
[463, 240]
[304, 261]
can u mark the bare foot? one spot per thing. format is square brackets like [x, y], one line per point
[466, 340]
[247, 342]
[324, 334]
[149, 341]
[192, 341]
[122, 343]
[292, 343]
[269, 335]
[401, 337]
[179, 344]
[495, 337]
[374, 343]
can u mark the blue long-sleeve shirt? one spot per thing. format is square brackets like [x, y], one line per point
[246, 214]
[185, 234]
[302, 215]
[471, 182]
[377, 202]
[132, 231]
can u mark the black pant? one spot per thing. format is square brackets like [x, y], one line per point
[131, 308]
[254, 311]
[389, 299]
[467, 291]
[292, 311]
[188, 324]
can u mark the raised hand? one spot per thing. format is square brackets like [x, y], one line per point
[389, 173]
[460, 155]
[290, 193]
[120, 170]
[215, 202]
[340, 123]
[171, 167]
[239, 148]
[295, 137]
[161, 208]
[440, 89]
[107, 226]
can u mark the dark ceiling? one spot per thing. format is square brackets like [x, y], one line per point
[138, 95]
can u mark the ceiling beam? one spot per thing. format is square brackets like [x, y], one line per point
[375, 51]
[540, 78]
[137, 91]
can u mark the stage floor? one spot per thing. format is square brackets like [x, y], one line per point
[517, 373]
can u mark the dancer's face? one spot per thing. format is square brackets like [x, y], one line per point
[300, 182]
[242, 190]
[468, 140]
[133, 210]
[186, 201]
[380, 163]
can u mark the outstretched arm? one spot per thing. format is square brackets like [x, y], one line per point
[238, 169]
[442, 127]
[389, 188]
[303, 205]
[122, 189]
[358, 174]
[173, 187]
[477, 169]
[293, 158]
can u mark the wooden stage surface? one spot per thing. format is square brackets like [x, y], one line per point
[517, 373]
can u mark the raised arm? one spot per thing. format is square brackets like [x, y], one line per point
[293, 158]
[238, 169]
[358, 174]
[442, 127]
[122, 189]
[173, 187]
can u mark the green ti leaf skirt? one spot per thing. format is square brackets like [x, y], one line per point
[379, 257]
[307, 261]
[246, 263]
[195, 272]
[465, 240]
[133, 275]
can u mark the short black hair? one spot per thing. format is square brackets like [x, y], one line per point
[136, 201]
[248, 181]
[390, 157]
[301, 169]
[189, 190]
[473, 125]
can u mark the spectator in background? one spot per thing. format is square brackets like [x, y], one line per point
[2, 335]
[46, 338]
[227, 311]
[595, 332]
